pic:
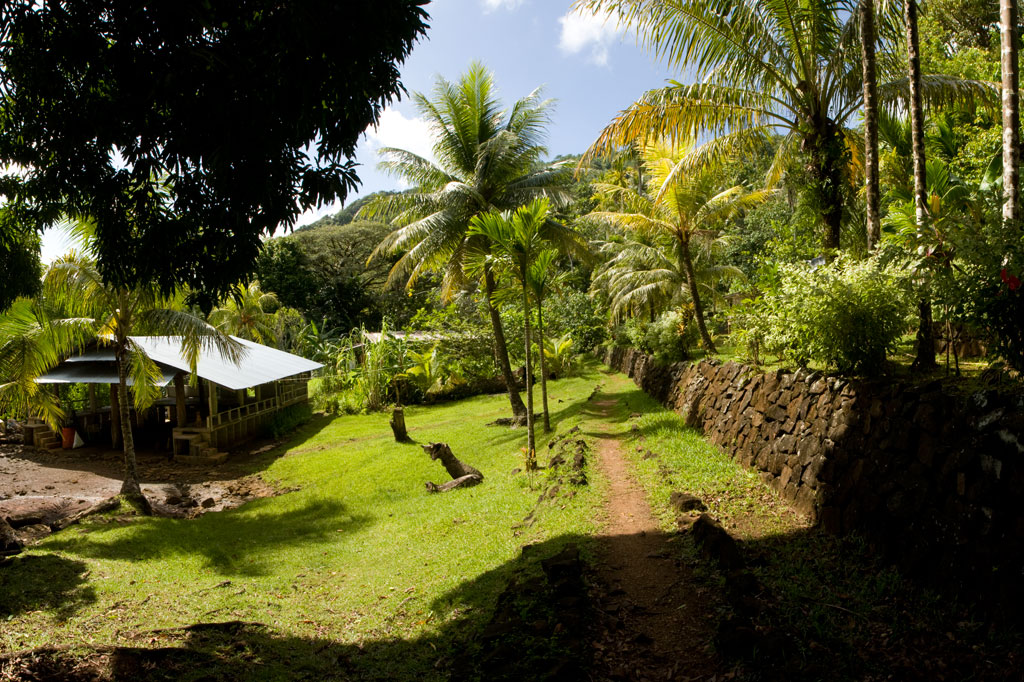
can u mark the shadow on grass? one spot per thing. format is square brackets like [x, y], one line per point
[35, 582]
[234, 542]
[812, 607]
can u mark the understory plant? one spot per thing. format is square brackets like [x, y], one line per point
[846, 315]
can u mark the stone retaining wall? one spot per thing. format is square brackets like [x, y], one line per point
[935, 481]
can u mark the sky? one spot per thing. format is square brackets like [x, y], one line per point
[590, 67]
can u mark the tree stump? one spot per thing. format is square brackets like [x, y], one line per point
[398, 425]
[463, 474]
[9, 543]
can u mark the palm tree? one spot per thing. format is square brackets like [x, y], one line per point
[541, 278]
[684, 204]
[488, 159]
[761, 67]
[518, 238]
[643, 273]
[1009, 33]
[866, 12]
[74, 287]
[249, 313]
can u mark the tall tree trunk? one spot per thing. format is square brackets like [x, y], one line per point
[130, 488]
[866, 9]
[519, 411]
[925, 334]
[698, 309]
[543, 365]
[115, 418]
[1008, 32]
[531, 444]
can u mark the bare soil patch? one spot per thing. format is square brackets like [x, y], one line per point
[49, 485]
[656, 622]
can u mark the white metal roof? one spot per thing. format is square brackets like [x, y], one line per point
[89, 372]
[258, 365]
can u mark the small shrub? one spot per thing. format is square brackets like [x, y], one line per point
[668, 337]
[847, 314]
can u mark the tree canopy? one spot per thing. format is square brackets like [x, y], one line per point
[189, 128]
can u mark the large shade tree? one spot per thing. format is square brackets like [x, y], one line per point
[243, 114]
[488, 158]
[762, 68]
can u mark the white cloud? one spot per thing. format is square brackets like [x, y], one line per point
[395, 130]
[592, 31]
[491, 5]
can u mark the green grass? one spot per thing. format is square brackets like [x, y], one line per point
[358, 555]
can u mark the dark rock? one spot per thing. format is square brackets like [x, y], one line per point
[208, 502]
[716, 544]
[684, 502]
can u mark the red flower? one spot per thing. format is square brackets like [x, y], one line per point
[1011, 281]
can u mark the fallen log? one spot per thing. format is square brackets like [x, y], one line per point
[106, 505]
[9, 542]
[463, 475]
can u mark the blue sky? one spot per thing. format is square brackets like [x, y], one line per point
[586, 64]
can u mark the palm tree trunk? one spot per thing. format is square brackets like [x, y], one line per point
[1008, 33]
[519, 411]
[130, 488]
[698, 309]
[925, 335]
[866, 9]
[531, 445]
[543, 365]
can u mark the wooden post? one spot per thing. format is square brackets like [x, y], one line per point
[212, 387]
[241, 395]
[179, 400]
[115, 417]
[93, 403]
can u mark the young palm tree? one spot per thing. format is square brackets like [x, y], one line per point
[517, 239]
[74, 287]
[683, 205]
[249, 313]
[760, 68]
[488, 159]
[541, 278]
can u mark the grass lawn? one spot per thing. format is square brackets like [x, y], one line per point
[359, 555]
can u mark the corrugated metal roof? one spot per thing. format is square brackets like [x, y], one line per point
[259, 364]
[89, 372]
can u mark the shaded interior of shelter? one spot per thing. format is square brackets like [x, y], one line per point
[197, 415]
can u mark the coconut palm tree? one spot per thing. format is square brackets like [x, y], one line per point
[761, 68]
[517, 238]
[249, 313]
[487, 159]
[74, 289]
[872, 186]
[683, 204]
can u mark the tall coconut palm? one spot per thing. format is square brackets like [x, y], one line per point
[1009, 33]
[683, 203]
[74, 287]
[760, 68]
[517, 238]
[487, 159]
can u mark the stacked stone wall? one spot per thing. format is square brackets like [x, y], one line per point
[936, 481]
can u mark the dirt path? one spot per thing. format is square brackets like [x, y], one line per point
[656, 626]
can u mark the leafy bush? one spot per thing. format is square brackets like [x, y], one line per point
[847, 314]
[575, 314]
[668, 338]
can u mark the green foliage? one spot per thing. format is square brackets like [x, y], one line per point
[668, 338]
[464, 343]
[185, 132]
[20, 265]
[846, 315]
[287, 420]
[574, 314]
